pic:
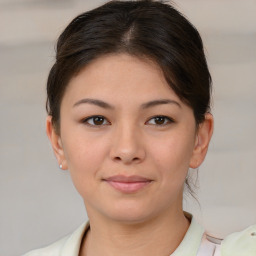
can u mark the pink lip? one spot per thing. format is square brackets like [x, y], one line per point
[128, 184]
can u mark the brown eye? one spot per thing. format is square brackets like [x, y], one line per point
[160, 120]
[96, 121]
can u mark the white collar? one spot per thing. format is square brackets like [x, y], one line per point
[188, 247]
[190, 244]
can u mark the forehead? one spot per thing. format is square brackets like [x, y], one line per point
[120, 75]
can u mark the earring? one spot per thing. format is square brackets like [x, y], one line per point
[60, 166]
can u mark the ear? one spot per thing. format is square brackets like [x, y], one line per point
[55, 140]
[203, 137]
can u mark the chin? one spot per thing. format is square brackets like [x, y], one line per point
[130, 213]
[130, 219]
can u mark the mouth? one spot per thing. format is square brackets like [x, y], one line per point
[127, 184]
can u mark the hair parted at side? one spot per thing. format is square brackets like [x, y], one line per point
[144, 28]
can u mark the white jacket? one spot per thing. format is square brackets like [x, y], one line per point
[195, 243]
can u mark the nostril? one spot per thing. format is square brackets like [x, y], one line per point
[127, 159]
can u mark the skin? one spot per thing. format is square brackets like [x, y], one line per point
[129, 141]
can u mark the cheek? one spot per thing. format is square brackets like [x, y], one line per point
[83, 149]
[84, 156]
[171, 156]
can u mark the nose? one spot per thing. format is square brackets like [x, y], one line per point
[127, 145]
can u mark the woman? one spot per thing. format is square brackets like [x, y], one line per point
[129, 114]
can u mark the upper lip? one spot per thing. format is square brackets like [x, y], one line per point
[127, 179]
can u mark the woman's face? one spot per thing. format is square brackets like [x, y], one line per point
[127, 139]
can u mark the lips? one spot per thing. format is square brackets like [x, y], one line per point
[127, 184]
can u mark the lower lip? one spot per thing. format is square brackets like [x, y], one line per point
[128, 187]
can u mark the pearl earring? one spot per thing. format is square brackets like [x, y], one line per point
[60, 166]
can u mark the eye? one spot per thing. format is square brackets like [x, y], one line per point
[160, 120]
[96, 121]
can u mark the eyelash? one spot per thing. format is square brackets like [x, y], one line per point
[168, 120]
[85, 121]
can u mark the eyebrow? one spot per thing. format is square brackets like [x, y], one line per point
[146, 105]
[99, 103]
[159, 102]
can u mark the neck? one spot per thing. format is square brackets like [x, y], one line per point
[160, 236]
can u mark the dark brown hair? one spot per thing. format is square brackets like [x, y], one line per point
[144, 28]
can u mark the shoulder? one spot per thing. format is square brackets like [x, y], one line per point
[236, 244]
[240, 243]
[51, 250]
[69, 245]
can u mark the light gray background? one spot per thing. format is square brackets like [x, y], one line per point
[38, 201]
